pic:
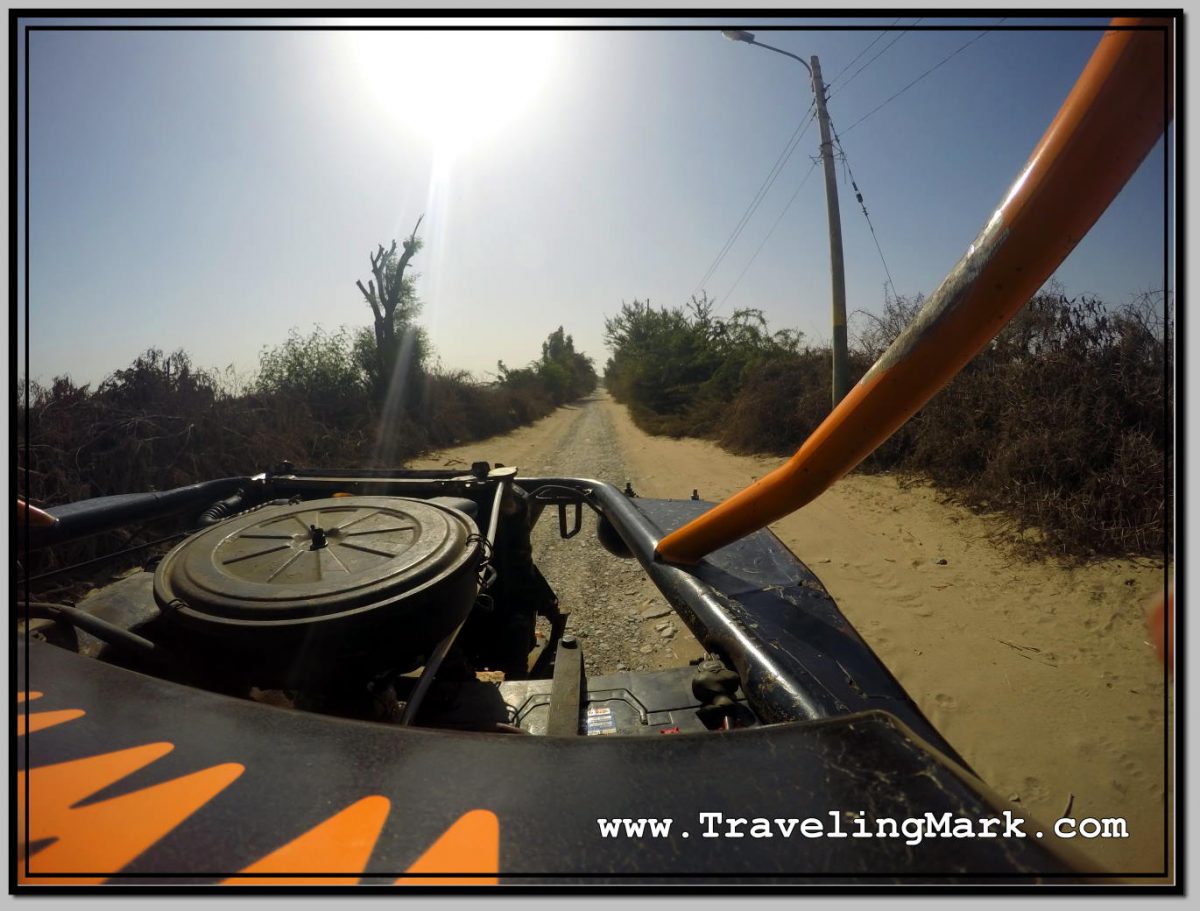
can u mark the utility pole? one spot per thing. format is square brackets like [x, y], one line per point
[836, 262]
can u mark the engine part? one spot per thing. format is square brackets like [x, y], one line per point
[223, 508]
[293, 595]
[502, 638]
[610, 539]
[121, 639]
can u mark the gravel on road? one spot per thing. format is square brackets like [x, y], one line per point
[619, 617]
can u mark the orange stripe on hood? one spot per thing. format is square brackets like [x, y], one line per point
[471, 845]
[37, 721]
[341, 843]
[102, 838]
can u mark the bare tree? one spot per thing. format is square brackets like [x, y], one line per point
[389, 289]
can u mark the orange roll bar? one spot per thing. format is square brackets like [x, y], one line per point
[37, 518]
[1111, 119]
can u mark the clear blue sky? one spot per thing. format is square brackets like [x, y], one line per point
[210, 190]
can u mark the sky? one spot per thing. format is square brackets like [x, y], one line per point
[212, 190]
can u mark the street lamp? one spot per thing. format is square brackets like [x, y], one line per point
[836, 262]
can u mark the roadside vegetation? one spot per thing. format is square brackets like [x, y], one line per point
[368, 397]
[162, 422]
[1062, 426]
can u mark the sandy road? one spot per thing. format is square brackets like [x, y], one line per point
[1040, 675]
[622, 621]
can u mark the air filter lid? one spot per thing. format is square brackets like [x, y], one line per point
[298, 563]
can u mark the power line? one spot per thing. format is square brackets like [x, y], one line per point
[759, 196]
[746, 268]
[756, 201]
[858, 195]
[880, 54]
[882, 32]
[922, 76]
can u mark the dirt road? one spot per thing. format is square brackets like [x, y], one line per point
[1040, 675]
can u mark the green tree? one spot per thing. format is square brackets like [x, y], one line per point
[566, 373]
[669, 360]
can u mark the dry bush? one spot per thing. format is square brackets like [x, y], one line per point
[1061, 425]
[457, 409]
[782, 402]
[161, 424]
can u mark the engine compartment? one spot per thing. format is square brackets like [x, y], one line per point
[432, 660]
[406, 600]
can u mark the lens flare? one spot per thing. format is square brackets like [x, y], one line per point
[457, 89]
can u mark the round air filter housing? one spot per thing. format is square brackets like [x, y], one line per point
[296, 594]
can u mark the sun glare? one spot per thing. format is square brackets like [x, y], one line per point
[455, 88]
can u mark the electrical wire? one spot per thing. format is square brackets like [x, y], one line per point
[756, 201]
[759, 196]
[103, 558]
[829, 84]
[746, 268]
[890, 44]
[784, 156]
[922, 76]
[858, 195]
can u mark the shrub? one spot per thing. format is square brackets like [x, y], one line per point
[678, 368]
[320, 369]
[1062, 423]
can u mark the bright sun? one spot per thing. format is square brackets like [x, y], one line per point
[456, 88]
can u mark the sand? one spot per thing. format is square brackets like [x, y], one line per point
[1041, 675]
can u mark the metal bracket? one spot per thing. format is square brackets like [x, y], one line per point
[562, 520]
[567, 690]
